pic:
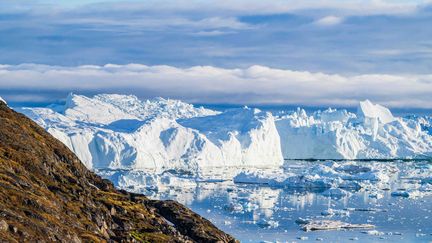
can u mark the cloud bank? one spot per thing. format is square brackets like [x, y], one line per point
[207, 84]
[332, 36]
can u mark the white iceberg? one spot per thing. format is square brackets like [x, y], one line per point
[372, 133]
[123, 132]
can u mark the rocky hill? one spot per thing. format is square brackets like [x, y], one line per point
[47, 194]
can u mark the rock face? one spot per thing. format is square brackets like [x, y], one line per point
[47, 194]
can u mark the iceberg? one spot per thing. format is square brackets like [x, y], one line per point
[372, 133]
[122, 132]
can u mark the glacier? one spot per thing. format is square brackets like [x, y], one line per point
[112, 131]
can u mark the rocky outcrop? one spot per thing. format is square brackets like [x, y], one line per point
[47, 194]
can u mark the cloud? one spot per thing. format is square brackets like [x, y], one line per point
[208, 84]
[213, 33]
[329, 21]
[246, 7]
[281, 33]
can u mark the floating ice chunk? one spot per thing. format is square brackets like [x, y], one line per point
[366, 209]
[400, 194]
[250, 206]
[374, 175]
[353, 169]
[260, 177]
[412, 193]
[234, 207]
[336, 193]
[303, 238]
[423, 190]
[284, 180]
[308, 182]
[351, 185]
[332, 212]
[373, 232]
[268, 223]
[311, 225]
[376, 195]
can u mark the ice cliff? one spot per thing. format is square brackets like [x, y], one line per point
[372, 133]
[123, 132]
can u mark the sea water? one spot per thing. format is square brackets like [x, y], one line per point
[400, 208]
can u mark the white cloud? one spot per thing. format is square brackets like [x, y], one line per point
[207, 84]
[213, 33]
[234, 7]
[356, 7]
[329, 21]
[160, 21]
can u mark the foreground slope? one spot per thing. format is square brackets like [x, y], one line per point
[47, 194]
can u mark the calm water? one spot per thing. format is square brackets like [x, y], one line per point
[256, 213]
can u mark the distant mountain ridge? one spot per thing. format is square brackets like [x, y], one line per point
[47, 194]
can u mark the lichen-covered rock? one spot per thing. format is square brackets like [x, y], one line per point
[47, 194]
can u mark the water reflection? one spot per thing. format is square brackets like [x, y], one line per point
[257, 212]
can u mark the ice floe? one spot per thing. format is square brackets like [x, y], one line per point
[311, 225]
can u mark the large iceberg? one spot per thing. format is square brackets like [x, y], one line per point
[123, 132]
[372, 133]
[112, 131]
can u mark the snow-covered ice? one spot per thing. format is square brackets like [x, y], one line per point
[372, 133]
[123, 132]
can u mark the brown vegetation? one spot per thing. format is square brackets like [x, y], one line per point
[46, 194]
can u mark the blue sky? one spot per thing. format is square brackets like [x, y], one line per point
[346, 38]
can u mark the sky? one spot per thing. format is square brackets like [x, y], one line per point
[323, 53]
